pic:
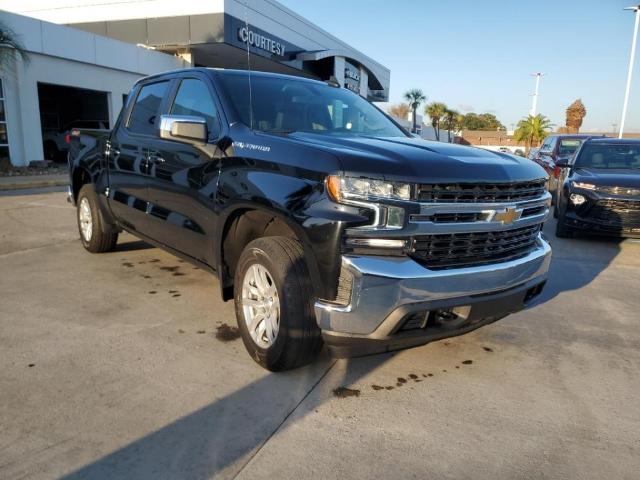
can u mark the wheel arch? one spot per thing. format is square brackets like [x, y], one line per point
[245, 223]
[79, 178]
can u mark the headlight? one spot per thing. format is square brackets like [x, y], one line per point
[577, 199]
[341, 188]
[586, 186]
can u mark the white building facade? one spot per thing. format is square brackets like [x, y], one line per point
[64, 57]
[103, 46]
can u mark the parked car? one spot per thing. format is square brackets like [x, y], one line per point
[600, 190]
[56, 143]
[553, 148]
[323, 219]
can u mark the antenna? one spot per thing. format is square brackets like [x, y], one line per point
[246, 24]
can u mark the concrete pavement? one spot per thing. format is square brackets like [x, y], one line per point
[126, 365]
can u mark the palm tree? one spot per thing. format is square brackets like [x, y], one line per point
[575, 113]
[451, 118]
[10, 45]
[415, 97]
[436, 112]
[532, 129]
[401, 110]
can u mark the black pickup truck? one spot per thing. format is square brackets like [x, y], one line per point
[324, 220]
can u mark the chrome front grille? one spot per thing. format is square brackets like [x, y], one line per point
[479, 224]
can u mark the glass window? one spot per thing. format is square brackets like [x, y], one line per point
[569, 146]
[194, 99]
[144, 116]
[4, 135]
[609, 156]
[287, 105]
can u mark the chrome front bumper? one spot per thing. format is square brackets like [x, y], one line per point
[386, 288]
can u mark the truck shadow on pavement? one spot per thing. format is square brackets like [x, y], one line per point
[132, 246]
[222, 438]
[576, 262]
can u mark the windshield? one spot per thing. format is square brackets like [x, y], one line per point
[283, 105]
[568, 147]
[609, 156]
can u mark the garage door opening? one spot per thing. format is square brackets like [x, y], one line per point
[63, 108]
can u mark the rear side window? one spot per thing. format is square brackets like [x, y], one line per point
[194, 99]
[144, 116]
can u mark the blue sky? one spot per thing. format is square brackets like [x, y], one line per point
[478, 54]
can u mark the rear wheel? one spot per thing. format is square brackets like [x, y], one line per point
[92, 234]
[274, 304]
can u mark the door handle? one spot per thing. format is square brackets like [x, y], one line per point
[153, 158]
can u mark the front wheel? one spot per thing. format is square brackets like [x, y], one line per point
[274, 304]
[562, 231]
[92, 234]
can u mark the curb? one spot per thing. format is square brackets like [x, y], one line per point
[34, 184]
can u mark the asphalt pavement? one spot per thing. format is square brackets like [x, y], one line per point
[128, 365]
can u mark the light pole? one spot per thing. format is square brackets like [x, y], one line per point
[631, 59]
[534, 102]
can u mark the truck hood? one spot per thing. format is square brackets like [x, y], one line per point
[422, 161]
[629, 178]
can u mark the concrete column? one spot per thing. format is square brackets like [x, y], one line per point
[11, 80]
[364, 83]
[338, 70]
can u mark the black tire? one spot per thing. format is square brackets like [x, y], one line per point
[51, 151]
[100, 240]
[298, 338]
[562, 231]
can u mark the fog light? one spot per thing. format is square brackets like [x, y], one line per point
[395, 217]
[577, 199]
[376, 242]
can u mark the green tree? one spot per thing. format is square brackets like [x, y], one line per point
[10, 47]
[483, 121]
[415, 97]
[532, 130]
[436, 112]
[451, 118]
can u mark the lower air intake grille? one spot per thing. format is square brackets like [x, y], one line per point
[469, 249]
[617, 213]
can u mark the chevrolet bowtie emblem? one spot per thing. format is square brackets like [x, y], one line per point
[508, 216]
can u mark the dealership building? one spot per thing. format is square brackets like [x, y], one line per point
[84, 56]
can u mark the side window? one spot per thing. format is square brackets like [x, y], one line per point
[194, 99]
[546, 145]
[144, 116]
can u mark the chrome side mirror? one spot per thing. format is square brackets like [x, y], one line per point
[184, 129]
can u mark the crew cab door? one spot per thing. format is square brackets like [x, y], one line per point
[128, 156]
[182, 178]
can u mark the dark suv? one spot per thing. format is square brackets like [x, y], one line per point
[600, 189]
[552, 149]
